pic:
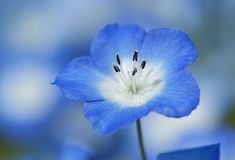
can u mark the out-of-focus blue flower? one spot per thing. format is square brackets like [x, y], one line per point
[26, 99]
[224, 135]
[72, 151]
[69, 150]
[131, 72]
[203, 153]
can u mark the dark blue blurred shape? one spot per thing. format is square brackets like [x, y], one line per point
[211, 152]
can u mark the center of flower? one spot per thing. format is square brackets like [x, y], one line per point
[130, 77]
[133, 82]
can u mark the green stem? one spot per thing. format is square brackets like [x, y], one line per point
[140, 139]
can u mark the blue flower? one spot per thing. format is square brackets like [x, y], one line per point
[130, 73]
[211, 152]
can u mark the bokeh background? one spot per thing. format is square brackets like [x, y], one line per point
[39, 37]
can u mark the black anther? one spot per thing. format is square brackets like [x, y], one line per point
[116, 68]
[143, 64]
[118, 59]
[135, 56]
[134, 71]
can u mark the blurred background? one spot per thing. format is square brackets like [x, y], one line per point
[38, 37]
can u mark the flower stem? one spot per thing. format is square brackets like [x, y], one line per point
[140, 139]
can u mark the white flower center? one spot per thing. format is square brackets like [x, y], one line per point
[133, 83]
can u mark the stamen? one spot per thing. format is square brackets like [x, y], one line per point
[156, 82]
[118, 59]
[135, 56]
[133, 77]
[116, 68]
[143, 64]
[147, 75]
[132, 83]
[134, 71]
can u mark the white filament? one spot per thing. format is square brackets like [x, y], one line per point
[131, 90]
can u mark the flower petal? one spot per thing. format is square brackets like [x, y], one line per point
[108, 117]
[179, 96]
[114, 38]
[79, 80]
[211, 152]
[170, 48]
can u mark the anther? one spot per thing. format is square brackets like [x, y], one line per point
[134, 71]
[118, 59]
[143, 64]
[116, 68]
[135, 56]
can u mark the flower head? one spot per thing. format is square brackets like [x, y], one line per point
[130, 73]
